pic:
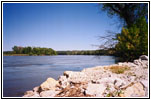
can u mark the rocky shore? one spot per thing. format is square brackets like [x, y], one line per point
[128, 79]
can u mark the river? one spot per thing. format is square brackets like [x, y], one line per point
[22, 73]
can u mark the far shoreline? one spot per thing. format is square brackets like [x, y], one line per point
[25, 55]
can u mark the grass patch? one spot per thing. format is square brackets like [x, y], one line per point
[118, 69]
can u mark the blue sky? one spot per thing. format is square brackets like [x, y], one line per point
[61, 26]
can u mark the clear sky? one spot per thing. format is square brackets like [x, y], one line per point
[61, 26]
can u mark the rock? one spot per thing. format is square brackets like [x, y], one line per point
[105, 80]
[145, 83]
[75, 77]
[112, 80]
[136, 90]
[49, 84]
[95, 89]
[121, 95]
[62, 78]
[137, 62]
[67, 73]
[143, 57]
[28, 93]
[31, 94]
[35, 95]
[95, 73]
[120, 64]
[119, 83]
[73, 91]
[36, 89]
[63, 81]
[141, 63]
[127, 64]
[48, 93]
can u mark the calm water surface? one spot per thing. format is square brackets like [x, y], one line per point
[22, 73]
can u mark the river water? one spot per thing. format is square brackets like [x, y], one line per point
[22, 73]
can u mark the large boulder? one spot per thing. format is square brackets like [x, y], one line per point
[136, 90]
[49, 84]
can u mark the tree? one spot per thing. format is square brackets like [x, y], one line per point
[15, 49]
[128, 12]
[29, 50]
[133, 39]
[34, 51]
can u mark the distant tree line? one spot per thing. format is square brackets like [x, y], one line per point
[31, 51]
[18, 50]
[87, 52]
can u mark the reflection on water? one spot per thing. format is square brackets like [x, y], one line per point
[22, 73]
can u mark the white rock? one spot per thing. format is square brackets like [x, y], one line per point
[113, 80]
[63, 81]
[95, 89]
[75, 77]
[31, 94]
[143, 57]
[49, 84]
[28, 93]
[120, 64]
[36, 89]
[35, 94]
[135, 90]
[137, 62]
[67, 73]
[48, 93]
[145, 83]
[105, 80]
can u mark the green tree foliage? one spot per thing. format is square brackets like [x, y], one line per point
[133, 41]
[33, 51]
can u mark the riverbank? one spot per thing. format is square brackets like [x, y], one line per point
[24, 55]
[128, 79]
[15, 55]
